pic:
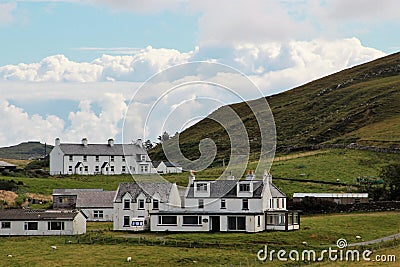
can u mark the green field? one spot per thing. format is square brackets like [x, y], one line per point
[325, 165]
[318, 231]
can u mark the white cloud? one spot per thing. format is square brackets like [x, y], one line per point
[6, 10]
[272, 66]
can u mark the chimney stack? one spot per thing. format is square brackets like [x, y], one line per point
[267, 177]
[84, 142]
[57, 142]
[192, 177]
[111, 142]
[250, 175]
[230, 177]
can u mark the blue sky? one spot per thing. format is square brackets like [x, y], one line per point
[70, 68]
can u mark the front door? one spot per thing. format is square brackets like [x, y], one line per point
[215, 224]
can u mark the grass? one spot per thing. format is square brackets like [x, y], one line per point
[316, 231]
[325, 165]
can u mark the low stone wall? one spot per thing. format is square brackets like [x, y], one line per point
[314, 207]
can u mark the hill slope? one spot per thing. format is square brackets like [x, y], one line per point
[359, 104]
[26, 150]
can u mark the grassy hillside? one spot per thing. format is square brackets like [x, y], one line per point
[313, 168]
[24, 151]
[355, 105]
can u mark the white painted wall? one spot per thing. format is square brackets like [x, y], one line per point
[107, 214]
[75, 227]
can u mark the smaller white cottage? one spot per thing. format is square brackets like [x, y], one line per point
[133, 203]
[34, 222]
[167, 167]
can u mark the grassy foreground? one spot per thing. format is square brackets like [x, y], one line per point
[317, 231]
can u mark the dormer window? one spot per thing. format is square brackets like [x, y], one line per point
[201, 187]
[244, 187]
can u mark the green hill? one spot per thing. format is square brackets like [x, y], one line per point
[357, 105]
[26, 150]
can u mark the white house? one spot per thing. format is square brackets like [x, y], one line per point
[32, 222]
[91, 159]
[229, 205]
[134, 201]
[166, 167]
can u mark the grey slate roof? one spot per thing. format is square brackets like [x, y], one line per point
[73, 191]
[170, 164]
[6, 164]
[102, 149]
[148, 189]
[275, 191]
[34, 215]
[95, 199]
[227, 189]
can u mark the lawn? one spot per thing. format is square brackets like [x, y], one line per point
[325, 165]
[317, 231]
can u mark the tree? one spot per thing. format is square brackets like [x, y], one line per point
[391, 176]
[148, 145]
[164, 137]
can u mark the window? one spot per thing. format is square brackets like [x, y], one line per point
[258, 221]
[97, 158]
[167, 220]
[112, 168]
[71, 158]
[191, 220]
[245, 204]
[201, 186]
[123, 169]
[155, 204]
[55, 226]
[63, 200]
[295, 218]
[356, 200]
[144, 168]
[236, 223]
[141, 204]
[277, 203]
[283, 202]
[201, 203]
[111, 158]
[85, 158]
[97, 214]
[223, 204]
[70, 168]
[126, 221]
[127, 204]
[31, 225]
[244, 187]
[86, 168]
[123, 158]
[142, 157]
[5, 225]
[97, 169]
